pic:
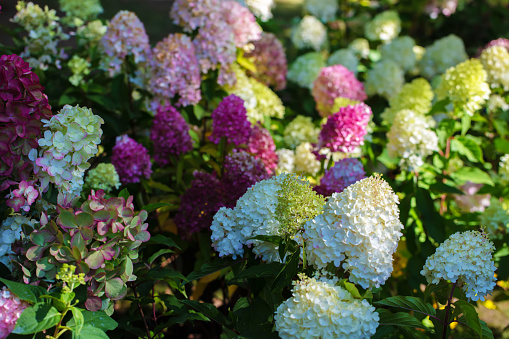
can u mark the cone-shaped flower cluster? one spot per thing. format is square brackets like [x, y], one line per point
[495, 61]
[441, 55]
[243, 22]
[324, 10]
[305, 69]
[229, 120]
[401, 51]
[345, 57]
[131, 160]
[386, 79]
[495, 218]
[261, 146]
[103, 177]
[299, 130]
[309, 33]
[10, 310]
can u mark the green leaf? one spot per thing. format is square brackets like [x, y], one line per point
[399, 319]
[470, 316]
[158, 254]
[79, 320]
[165, 273]
[115, 289]
[209, 310]
[85, 219]
[152, 207]
[97, 319]
[37, 318]
[259, 271]
[444, 188]
[291, 268]
[91, 332]
[466, 121]
[467, 147]
[198, 111]
[22, 291]
[124, 194]
[214, 266]
[433, 287]
[501, 145]
[486, 331]
[67, 219]
[408, 303]
[161, 239]
[439, 106]
[353, 290]
[473, 174]
[274, 239]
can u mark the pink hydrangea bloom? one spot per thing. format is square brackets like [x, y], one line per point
[125, 35]
[22, 106]
[345, 130]
[497, 42]
[23, 197]
[192, 14]
[175, 70]
[243, 22]
[131, 160]
[11, 308]
[170, 134]
[229, 120]
[261, 146]
[268, 55]
[333, 82]
[344, 173]
[471, 201]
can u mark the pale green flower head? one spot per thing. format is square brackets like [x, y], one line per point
[299, 130]
[386, 79]
[81, 9]
[91, 33]
[385, 26]
[441, 55]
[401, 51]
[268, 103]
[345, 57]
[79, 67]
[31, 16]
[305, 69]
[103, 177]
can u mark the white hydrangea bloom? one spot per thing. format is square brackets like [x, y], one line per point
[495, 61]
[401, 51]
[309, 33]
[359, 229]
[305, 160]
[386, 78]
[496, 102]
[441, 55]
[385, 26]
[345, 57]
[495, 219]
[464, 258]
[324, 10]
[103, 177]
[305, 69]
[360, 47]
[262, 9]
[286, 160]
[320, 309]
[299, 130]
[411, 138]
[11, 231]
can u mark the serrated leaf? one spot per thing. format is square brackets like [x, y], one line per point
[470, 316]
[161, 239]
[284, 278]
[37, 318]
[408, 303]
[398, 319]
[152, 207]
[468, 148]
[209, 310]
[22, 291]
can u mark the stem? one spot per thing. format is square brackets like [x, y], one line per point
[141, 311]
[56, 334]
[447, 311]
[443, 204]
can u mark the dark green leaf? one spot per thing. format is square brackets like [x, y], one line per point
[432, 288]
[407, 303]
[22, 291]
[274, 239]
[214, 266]
[124, 194]
[444, 188]
[470, 316]
[161, 239]
[260, 271]
[84, 219]
[152, 207]
[97, 319]
[165, 273]
[209, 310]
[37, 318]
[158, 254]
[67, 219]
[284, 278]
[399, 319]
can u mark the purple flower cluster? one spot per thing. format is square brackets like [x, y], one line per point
[11, 308]
[131, 160]
[22, 106]
[242, 21]
[170, 134]
[22, 197]
[229, 120]
[192, 14]
[175, 70]
[345, 130]
[344, 173]
[261, 146]
[334, 82]
[125, 35]
[268, 55]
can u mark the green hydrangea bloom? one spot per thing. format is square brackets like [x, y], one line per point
[441, 55]
[84, 10]
[386, 79]
[103, 177]
[305, 69]
[299, 130]
[79, 68]
[91, 33]
[345, 57]
[267, 102]
[385, 26]
[401, 51]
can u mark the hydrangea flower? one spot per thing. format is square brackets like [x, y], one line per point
[305, 69]
[416, 96]
[498, 42]
[503, 168]
[385, 26]
[275, 206]
[91, 33]
[386, 79]
[345, 57]
[170, 135]
[318, 308]
[80, 68]
[262, 9]
[243, 22]
[268, 103]
[470, 201]
[333, 82]
[496, 102]
[411, 139]
[464, 258]
[465, 85]
[286, 160]
[344, 173]
[131, 160]
[243, 89]
[23, 105]
[309, 33]
[10, 232]
[229, 120]
[360, 47]
[175, 70]
[495, 218]
[446, 7]
[344, 131]
[324, 10]
[23, 197]
[193, 14]
[305, 160]
[11, 308]
[401, 51]
[359, 231]
[125, 36]
[103, 177]
[442, 54]
[300, 129]
[70, 140]
[495, 60]
[269, 58]
[261, 146]
[84, 10]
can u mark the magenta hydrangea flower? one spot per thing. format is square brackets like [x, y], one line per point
[229, 120]
[175, 70]
[125, 35]
[11, 308]
[241, 171]
[261, 146]
[268, 55]
[170, 134]
[345, 130]
[199, 203]
[23, 197]
[344, 173]
[334, 82]
[131, 160]
[22, 106]
[192, 14]
[243, 22]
